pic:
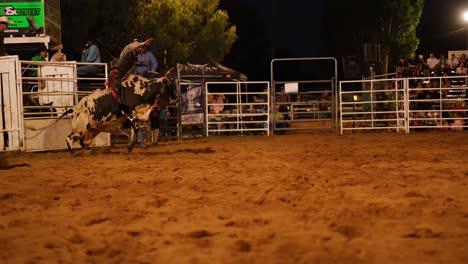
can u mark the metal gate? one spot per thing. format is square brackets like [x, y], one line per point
[404, 104]
[237, 108]
[304, 104]
[379, 104]
[31, 105]
[46, 95]
[11, 133]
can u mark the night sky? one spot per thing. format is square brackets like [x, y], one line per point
[442, 27]
[272, 29]
[277, 28]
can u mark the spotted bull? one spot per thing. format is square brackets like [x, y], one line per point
[102, 112]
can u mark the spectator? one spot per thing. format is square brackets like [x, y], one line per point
[422, 66]
[58, 56]
[442, 66]
[41, 55]
[284, 99]
[432, 63]
[325, 105]
[4, 22]
[452, 63]
[461, 70]
[263, 98]
[218, 104]
[402, 68]
[158, 118]
[146, 64]
[90, 54]
[458, 113]
[279, 119]
[462, 58]
[413, 64]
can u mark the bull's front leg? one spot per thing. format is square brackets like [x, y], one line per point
[133, 137]
[70, 140]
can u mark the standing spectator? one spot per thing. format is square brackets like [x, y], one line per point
[443, 66]
[159, 115]
[462, 58]
[461, 70]
[4, 22]
[432, 63]
[402, 68]
[90, 54]
[452, 63]
[284, 99]
[413, 64]
[41, 55]
[422, 66]
[218, 104]
[146, 64]
[325, 105]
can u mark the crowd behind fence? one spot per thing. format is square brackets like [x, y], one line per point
[237, 108]
[407, 103]
[404, 104]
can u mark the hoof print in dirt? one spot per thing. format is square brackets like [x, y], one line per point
[242, 246]
[200, 234]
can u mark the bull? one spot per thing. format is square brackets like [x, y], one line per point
[101, 111]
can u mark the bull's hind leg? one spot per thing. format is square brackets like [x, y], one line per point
[133, 138]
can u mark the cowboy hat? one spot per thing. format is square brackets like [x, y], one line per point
[4, 19]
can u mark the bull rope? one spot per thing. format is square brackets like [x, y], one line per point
[53, 122]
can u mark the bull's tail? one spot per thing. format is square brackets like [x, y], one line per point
[68, 111]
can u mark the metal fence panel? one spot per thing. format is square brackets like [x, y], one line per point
[237, 108]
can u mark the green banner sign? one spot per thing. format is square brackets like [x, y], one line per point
[26, 18]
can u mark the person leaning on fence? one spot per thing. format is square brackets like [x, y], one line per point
[90, 54]
[279, 119]
[284, 99]
[41, 55]
[4, 22]
[217, 102]
[158, 118]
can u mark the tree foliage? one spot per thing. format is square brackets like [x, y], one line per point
[180, 25]
[177, 26]
[392, 24]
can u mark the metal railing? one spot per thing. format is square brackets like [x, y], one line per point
[245, 111]
[404, 104]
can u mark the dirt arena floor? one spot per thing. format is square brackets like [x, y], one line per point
[304, 198]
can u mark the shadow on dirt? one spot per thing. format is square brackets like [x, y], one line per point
[147, 151]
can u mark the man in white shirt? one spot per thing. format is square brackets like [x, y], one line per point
[432, 62]
[452, 62]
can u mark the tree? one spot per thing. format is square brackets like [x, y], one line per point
[177, 26]
[392, 24]
[181, 25]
